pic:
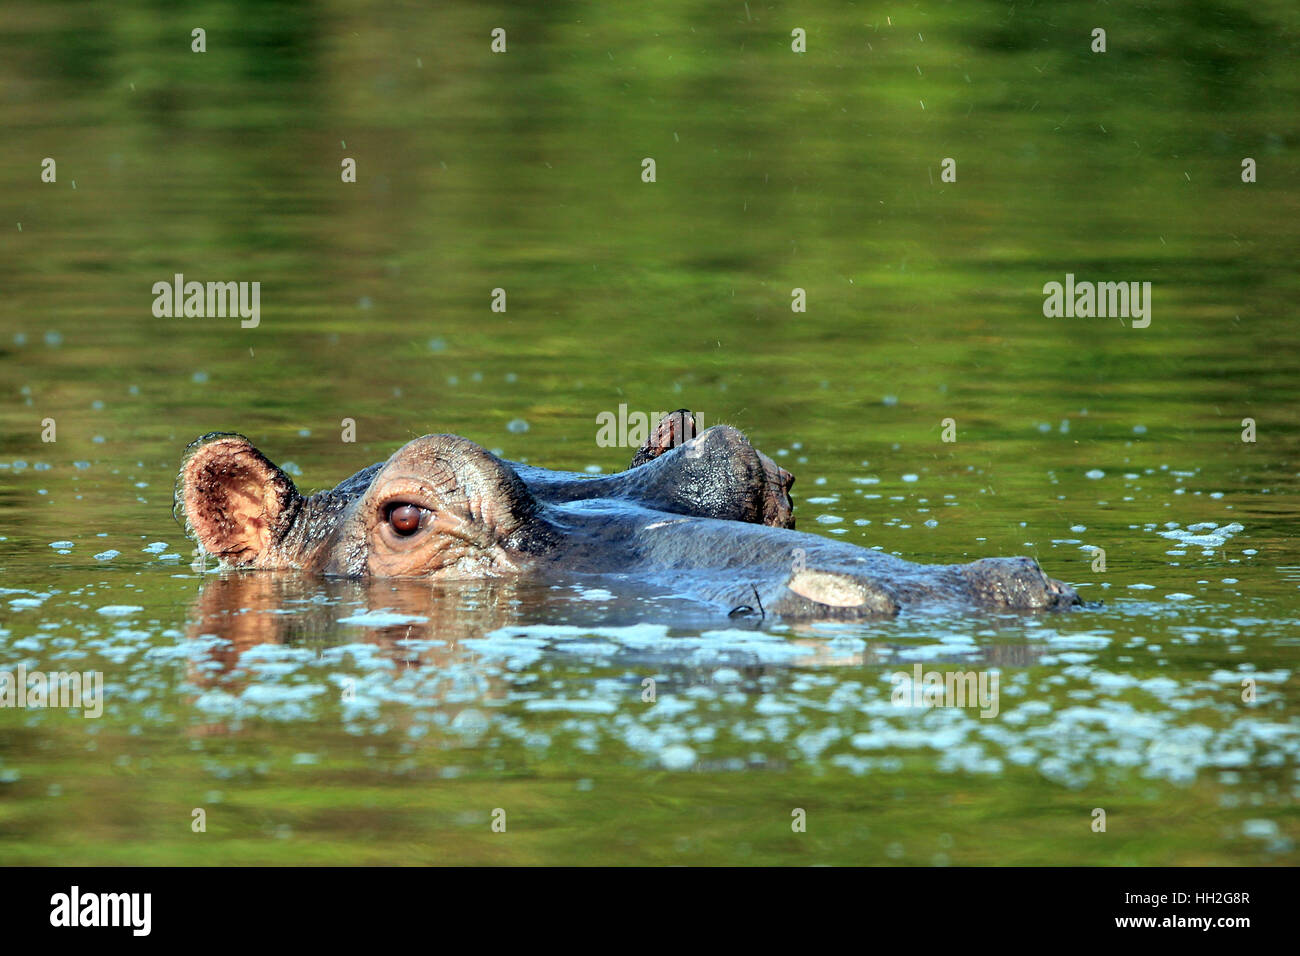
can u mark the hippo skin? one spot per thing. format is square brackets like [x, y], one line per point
[706, 517]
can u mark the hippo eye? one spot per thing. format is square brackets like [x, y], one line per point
[406, 519]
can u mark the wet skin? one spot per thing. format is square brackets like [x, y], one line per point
[707, 517]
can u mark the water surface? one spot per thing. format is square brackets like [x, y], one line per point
[349, 722]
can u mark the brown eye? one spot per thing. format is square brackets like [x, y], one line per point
[405, 519]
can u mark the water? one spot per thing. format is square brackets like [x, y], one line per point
[349, 722]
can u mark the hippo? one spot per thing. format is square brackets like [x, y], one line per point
[705, 516]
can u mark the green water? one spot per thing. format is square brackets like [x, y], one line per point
[395, 739]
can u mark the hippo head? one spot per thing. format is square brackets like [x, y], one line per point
[443, 506]
[704, 516]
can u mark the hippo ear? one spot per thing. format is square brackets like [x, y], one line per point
[675, 428]
[778, 509]
[237, 504]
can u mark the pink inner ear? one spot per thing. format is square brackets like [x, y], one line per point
[232, 498]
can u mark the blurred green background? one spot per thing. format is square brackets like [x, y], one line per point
[775, 170]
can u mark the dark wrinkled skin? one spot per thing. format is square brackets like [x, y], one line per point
[709, 519]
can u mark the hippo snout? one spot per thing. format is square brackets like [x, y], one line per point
[1017, 583]
[1062, 595]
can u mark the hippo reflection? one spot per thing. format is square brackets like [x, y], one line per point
[448, 626]
[706, 517]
